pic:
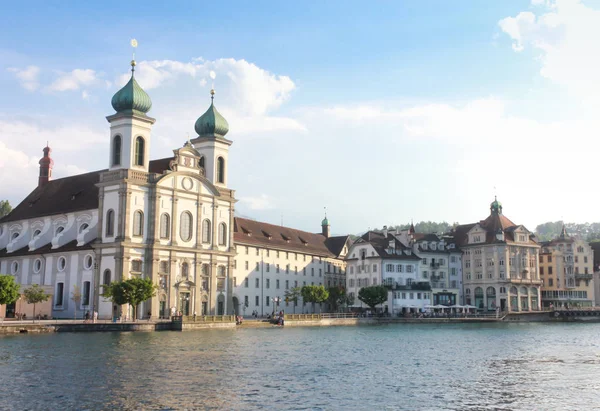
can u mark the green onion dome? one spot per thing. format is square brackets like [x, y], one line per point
[211, 123]
[131, 98]
[325, 221]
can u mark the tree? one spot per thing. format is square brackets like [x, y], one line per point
[337, 297]
[373, 295]
[292, 295]
[9, 290]
[133, 291]
[315, 294]
[5, 208]
[76, 297]
[35, 294]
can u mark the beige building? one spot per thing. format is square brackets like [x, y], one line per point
[500, 264]
[566, 270]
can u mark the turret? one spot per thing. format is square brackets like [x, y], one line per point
[46, 164]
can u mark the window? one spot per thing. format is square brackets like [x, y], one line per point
[257, 283]
[220, 170]
[88, 261]
[206, 233]
[83, 227]
[14, 268]
[59, 230]
[256, 301]
[14, 236]
[287, 284]
[257, 251]
[585, 259]
[268, 267]
[106, 279]
[37, 266]
[541, 270]
[287, 269]
[425, 261]
[165, 225]
[138, 223]
[453, 259]
[36, 233]
[85, 298]
[257, 268]
[245, 297]
[201, 165]
[389, 268]
[409, 268]
[550, 282]
[268, 284]
[246, 282]
[246, 265]
[58, 297]
[186, 226]
[222, 234]
[62, 263]
[277, 268]
[116, 157]
[246, 250]
[320, 272]
[136, 266]
[277, 284]
[185, 270]
[139, 151]
[550, 270]
[267, 300]
[110, 223]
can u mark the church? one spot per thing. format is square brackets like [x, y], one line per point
[170, 219]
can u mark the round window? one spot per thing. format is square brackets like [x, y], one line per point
[36, 233]
[62, 263]
[15, 267]
[88, 262]
[83, 227]
[37, 265]
[59, 230]
[14, 236]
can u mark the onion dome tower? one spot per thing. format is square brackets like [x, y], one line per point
[46, 164]
[130, 126]
[211, 143]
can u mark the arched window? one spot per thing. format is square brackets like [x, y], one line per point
[36, 233]
[106, 279]
[14, 236]
[220, 170]
[110, 223]
[138, 223]
[165, 225]
[185, 270]
[139, 151]
[201, 162]
[205, 269]
[206, 231]
[116, 154]
[222, 234]
[59, 230]
[83, 227]
[185, 226]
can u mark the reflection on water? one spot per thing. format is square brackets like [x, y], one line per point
[404, 367]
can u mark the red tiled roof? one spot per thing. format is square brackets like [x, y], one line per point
[259, 234]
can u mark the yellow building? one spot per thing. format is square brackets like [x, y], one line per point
[566, 269]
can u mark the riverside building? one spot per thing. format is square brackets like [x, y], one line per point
[566, 270]
[272, 259]
[500, 264]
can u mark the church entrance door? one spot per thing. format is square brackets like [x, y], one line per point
[184, 303]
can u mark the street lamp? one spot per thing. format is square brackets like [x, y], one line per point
[276, 301]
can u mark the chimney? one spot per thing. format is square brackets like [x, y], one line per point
[46, 164]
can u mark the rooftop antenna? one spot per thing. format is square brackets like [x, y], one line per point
[134, 45]
[212, 75]
[325, 208]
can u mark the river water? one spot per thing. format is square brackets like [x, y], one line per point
[388, 367]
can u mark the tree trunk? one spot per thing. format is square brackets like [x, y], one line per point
[33, 312]
[134, 312]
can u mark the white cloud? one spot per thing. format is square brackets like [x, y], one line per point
[28, 77]
[74, 80]
[261, 202]
[564, 35]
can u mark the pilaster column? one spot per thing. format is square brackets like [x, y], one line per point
[213, 293]
[198, 223]
[120, 214]
[101, 231]
[153, 218]
[173, 297]
[153, 303]
[198, 281]
[230, 243]
[174, 220]
[215, 224]
[126, 216]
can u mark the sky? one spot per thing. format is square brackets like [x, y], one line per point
[386, 113]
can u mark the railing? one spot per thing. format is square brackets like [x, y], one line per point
[339, 315]
[583, 276]
[303, 317]
[524, 281]
[207, 318]
[128, 174]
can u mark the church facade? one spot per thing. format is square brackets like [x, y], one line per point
[170, 220]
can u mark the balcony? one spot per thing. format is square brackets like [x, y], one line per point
[439, 284]
[524, 281]
[579, 276]
[434, 265]
[413, 286]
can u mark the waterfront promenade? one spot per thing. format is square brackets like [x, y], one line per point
[291, 320]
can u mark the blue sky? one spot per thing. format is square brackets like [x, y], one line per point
[383, 112]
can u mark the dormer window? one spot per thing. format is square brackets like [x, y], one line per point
[522, 238]
[433, 246]
[37, 233]
[59, 230]
[424, 246]
[83, 227]
[477, 238]
[14, 236]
